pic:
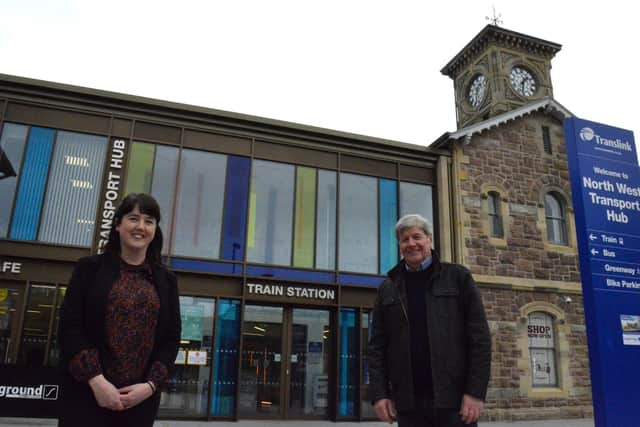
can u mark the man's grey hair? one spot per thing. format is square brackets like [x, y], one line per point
[413, 220]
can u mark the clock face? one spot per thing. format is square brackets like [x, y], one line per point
[522, 81]
[477, 90]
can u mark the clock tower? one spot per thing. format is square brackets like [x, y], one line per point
[497, 71]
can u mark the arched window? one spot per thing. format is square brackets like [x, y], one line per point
[542, 350]
[556, 219]
[495, 219]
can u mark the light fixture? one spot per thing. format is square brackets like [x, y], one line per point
[77, 183]
[259, 328]
[76, 161]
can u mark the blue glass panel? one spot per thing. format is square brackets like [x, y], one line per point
[235, 208]
[35, 169]
[348, 380]
[205, 266]
[225, 371]
[360, 280]
[291, 274]
[388, 219]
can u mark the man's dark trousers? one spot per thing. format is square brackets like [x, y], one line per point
[426, 416]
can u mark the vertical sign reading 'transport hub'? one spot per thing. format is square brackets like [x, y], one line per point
[605, 185]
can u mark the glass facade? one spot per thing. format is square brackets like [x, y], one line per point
[71, 201]
[326, 221]
[227, 349]
[305, 217]
[348, 361]
[199, 204]
[366, 409]
[232, 213]
[187, 391]
[388, 218]
[28, 323]
[50, 192]
[261, 361]
[416, 198]
[358, 222]
[219, 212]
[235, 209]
[270, 213]
[152, 169]
[33, 179]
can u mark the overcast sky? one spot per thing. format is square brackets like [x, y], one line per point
[367, 67]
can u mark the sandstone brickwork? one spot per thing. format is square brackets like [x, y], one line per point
[523, 271]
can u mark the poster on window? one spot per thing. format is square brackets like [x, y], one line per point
[630, 329]
[197, 357]
[542, 366]
[192, 316]
[181, 357]
[540, 330]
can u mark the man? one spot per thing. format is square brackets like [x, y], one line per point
[430, 347]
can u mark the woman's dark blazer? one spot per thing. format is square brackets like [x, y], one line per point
[82, 314]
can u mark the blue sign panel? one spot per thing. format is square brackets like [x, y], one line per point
[605, 186]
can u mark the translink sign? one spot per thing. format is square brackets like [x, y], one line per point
[605, 186]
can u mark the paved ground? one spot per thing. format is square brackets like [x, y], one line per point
[23, 422]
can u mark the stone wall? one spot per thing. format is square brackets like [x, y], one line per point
[507, 399]
[512, 158]
[523, 269]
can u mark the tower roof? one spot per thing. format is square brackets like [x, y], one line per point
[498, 35]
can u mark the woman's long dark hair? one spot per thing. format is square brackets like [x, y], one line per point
[148, 206]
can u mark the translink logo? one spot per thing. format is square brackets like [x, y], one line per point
[587, 135]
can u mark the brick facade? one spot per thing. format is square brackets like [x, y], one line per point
[522, 272]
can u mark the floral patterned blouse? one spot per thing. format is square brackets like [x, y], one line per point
[130, 324]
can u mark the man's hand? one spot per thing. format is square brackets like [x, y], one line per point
[470, 409]
[131, 395]
[385, 410]
[106, 394]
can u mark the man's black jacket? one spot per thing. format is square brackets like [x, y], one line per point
[459, 338]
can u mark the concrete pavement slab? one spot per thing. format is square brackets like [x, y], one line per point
[35, 422]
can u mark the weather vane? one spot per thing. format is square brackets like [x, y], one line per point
[495, 20]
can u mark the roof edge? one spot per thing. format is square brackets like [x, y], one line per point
[65, 88]
[502, 34]
[547, 104]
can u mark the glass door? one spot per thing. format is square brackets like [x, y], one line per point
[10, 306]
[310, 355]
[261, 362]
[187, 391]
[37, 329]
[285, 361]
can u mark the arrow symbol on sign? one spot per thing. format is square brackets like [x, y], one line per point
[594, 252]
[592, 237]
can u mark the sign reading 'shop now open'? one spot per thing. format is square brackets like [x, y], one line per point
[605, 186]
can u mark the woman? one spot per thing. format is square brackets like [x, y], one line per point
[119, 325]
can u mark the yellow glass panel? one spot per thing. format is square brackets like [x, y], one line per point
[305, 220]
